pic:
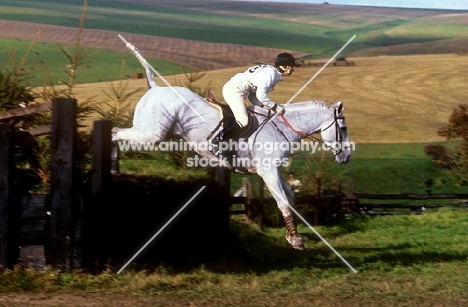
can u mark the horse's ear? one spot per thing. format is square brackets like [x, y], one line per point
[339, 108]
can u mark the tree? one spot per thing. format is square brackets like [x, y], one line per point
[457, 128]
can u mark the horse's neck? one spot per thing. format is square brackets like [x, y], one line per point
[307, 118]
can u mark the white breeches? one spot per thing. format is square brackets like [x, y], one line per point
[235, 99]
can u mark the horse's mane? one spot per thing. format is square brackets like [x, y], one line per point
[306, 105]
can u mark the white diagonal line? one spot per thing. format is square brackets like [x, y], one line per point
[167, 83]
[321, 238]
[320, 70]
[315, 231]
[162, 228]
[316, 74]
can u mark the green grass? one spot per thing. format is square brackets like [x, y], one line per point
[374, 169]
[410, 259]
[99, 66]
[393, 169]
[163, 166]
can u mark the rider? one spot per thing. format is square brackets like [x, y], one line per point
[254, 83]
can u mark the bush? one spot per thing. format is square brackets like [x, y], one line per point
[457, 128]
[439, 154]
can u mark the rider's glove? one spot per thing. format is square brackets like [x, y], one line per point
[278, 109]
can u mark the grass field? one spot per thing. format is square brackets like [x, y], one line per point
[415, 260]
[374, 168]
[47, 60]
[399, 99]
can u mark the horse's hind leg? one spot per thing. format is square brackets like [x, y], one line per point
[284, 197]
[126, 139]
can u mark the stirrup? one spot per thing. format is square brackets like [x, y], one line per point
[213, 145]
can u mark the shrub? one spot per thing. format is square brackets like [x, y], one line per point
[457, 128]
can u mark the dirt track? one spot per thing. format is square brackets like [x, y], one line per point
[210, 56]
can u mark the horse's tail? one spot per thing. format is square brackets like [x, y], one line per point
[146, 66]
[149, 76]
[144, 63]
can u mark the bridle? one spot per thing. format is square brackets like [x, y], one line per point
[338, 128]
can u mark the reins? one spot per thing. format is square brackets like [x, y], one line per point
[302, 134]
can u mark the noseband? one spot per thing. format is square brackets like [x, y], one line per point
[338, 137]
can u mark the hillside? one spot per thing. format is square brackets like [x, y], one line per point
[235, 33]
[388, 99]
[409, 64]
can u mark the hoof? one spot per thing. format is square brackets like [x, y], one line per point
[295, 241]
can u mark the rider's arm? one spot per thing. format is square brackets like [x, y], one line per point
[262, 96]
[265, 81]
[266, 101]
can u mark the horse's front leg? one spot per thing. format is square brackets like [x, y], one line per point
[284, 196]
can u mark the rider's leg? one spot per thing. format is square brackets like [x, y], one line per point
[232, 127]
[235, 99]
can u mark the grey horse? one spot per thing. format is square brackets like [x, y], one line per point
[165, 111]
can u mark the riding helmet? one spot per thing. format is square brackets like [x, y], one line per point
[285, 59]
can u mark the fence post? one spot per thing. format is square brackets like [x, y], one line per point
[224, 178]
[261, 205]
[62, 183]
[318, 196]
[101, 156]
[9, 208]
[100, 182]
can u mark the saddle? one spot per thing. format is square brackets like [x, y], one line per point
[227, 117]
[225, 110]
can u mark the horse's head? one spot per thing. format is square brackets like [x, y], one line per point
[335, 134]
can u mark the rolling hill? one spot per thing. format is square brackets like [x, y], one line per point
[409, 64]
[221, 30]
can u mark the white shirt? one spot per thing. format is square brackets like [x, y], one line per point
[256, 82]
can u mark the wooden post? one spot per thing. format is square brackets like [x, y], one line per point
[100, 182]
[261, 204]
[318, 187]
[318, 196]
[10, 211]
[224, 177]
[101, 156]
[114, 154]
[338, 186]
[62, 183]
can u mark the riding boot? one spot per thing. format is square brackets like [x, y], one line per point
[291, 233]
[231, 130]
